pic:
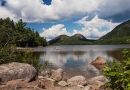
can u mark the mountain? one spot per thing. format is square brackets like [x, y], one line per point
[77, 39]
[58, 39]
[119, 35]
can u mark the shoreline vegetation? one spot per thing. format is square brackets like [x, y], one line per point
[16, 36]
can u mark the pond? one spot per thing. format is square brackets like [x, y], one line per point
[76, 59]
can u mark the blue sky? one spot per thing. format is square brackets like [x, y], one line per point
[92, 18]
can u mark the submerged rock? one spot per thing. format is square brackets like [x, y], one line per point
[99, 66]
[98, 60]
[17, 70]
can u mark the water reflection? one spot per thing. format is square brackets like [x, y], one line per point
[76, 60]
[100, 66]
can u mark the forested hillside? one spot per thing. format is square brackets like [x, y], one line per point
[76, 39]
[18, 34]
[58, 39]
[119, 35]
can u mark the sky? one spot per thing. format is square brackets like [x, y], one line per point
[91, 18]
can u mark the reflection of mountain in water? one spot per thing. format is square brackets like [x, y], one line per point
[76, 59]
[77, 62]
[117, 54]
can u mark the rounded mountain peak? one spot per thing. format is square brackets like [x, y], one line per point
[79, 36]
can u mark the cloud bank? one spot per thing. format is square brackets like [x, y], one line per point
[93, 29]
[59, 10]
[99, 16]
[54, 31]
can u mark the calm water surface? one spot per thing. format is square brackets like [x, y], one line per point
[76, 59]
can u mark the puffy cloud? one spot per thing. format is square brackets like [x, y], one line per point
[92, 29]
[54, 31]
[106, 11]
[4, 13]
[116, 10]
[95, 28]
[37, 11]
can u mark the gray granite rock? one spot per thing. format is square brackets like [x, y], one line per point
[16, 70]
[77, 80]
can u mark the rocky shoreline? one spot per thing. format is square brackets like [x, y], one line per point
[20, 76]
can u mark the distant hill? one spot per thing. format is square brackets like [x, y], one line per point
[76, 39]
[58, 39]
[119, 35]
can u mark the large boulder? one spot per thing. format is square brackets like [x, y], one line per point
[58, 74]
[17, 70]
[97, 82]
[98, 60]
[77, 80]
[99, 66]
[62, 83]
[45, 82]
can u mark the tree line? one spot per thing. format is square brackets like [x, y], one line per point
[18, 34]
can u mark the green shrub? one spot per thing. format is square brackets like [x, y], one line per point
[119, 73]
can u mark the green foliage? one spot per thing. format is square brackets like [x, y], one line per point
[42, 66]
[17, 34]
[119, 35]
[119, 73]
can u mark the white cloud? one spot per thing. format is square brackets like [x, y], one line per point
[92, 29]
[4, 13]
[54, 31]
[95, 28]
[59, 10]
[110, 8]
[37, 11]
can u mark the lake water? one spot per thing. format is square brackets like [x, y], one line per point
[76, 59]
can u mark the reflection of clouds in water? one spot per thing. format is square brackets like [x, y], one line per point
[56, 59]
[89, 57]
[75, 60]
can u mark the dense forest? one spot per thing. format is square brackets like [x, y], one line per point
[16, 34]
[119, 35]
